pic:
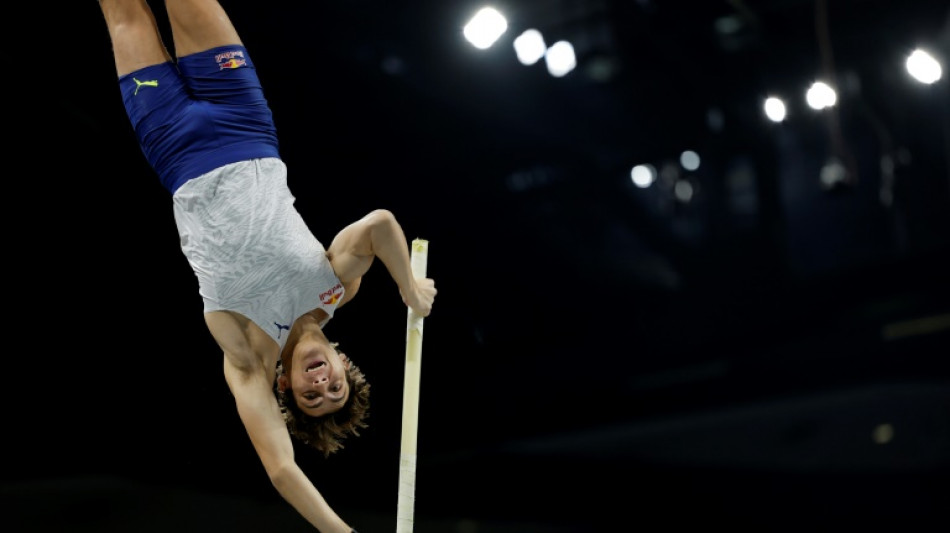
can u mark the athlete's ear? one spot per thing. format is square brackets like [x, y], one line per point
[283, 383]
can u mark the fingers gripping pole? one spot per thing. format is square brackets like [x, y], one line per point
[410, 400]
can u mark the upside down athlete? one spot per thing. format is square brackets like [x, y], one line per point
[268, 285]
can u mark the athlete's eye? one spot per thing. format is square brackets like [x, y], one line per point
[337, 387]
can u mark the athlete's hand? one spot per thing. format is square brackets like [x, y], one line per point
[421, 297]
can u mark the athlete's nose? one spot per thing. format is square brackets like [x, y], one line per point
[320, 380]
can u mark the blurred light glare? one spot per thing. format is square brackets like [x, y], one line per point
[683, 190]
[643, 175]
[820, 95]
[728, 25]
[560, 59]
[774, 109]
[485, 28]
[668, 175]
[924, 67]
[690, 160]
[833, 173]
[715, 120]
[883, 433]
[529, 47]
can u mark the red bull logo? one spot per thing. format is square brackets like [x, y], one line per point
[232, 59]
[332, 296]
[232, 63]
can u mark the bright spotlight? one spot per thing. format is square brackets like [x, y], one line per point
[820, 95]
[923, 67]
[560, 59]
[485, 28]
[689, 160]
[529, 47]
[774, 109]
[643, 175]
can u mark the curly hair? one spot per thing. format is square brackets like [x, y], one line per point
[325, 433]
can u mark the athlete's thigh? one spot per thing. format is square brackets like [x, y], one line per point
[199, 25]
[136, 40]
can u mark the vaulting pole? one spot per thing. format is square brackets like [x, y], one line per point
[410, 400]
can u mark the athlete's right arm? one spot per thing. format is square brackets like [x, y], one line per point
[379, 234]
[265, 425]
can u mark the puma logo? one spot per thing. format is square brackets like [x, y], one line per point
[140, 84]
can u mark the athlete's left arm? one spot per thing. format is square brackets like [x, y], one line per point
[260, 414]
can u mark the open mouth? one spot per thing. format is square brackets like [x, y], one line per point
[316, 365]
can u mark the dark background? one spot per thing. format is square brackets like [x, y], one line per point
[770, 355]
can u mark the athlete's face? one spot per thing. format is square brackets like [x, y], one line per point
[318, 379]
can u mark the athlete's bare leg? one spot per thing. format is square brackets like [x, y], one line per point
[199, 25]
[136, 41]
